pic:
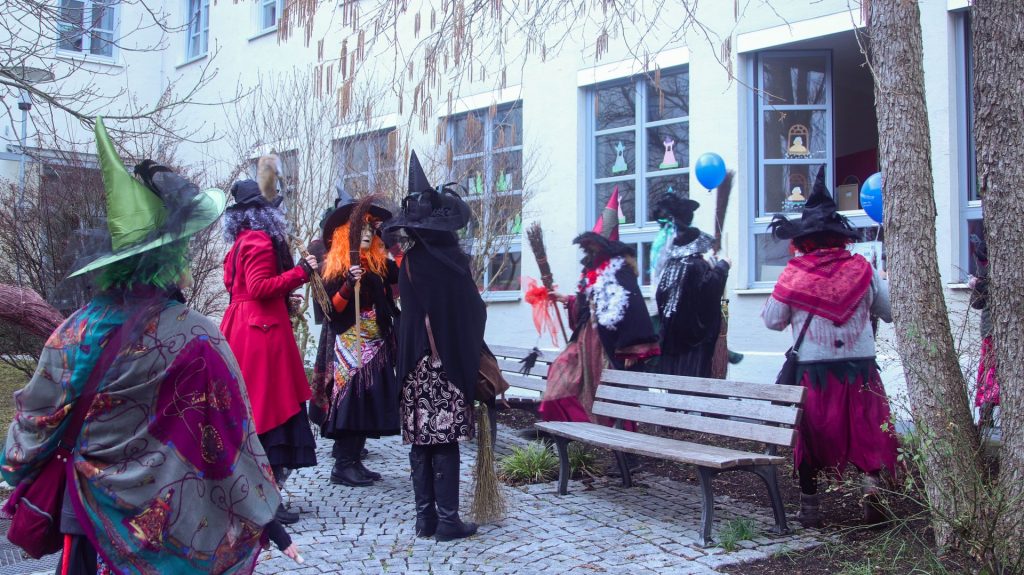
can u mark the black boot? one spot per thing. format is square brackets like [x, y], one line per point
[346, 460]
[446, 491]
[423, 488]
[284, 516]
[371, 475]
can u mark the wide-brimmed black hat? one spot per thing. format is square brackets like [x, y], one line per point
[342, 213]
[677, 207]
[246, 194]
[597, 243]
[430, 208]
[819, 215]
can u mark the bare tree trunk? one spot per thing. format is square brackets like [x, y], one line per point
[998, 35]
[935, 382]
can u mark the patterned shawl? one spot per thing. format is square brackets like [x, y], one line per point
[829, 283]
[169, 474]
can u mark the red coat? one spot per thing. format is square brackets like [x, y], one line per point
[258, 329]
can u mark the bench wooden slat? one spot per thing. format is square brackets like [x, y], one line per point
[508, 365]
[518, 380]
[723, 388]
[661, 447]
[518, 352]
[750, 409]
[724, 427]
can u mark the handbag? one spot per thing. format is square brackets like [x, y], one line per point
[787, 375]
[490, 383]
[35, 505]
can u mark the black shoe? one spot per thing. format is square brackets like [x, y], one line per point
[445, 459]
[347, 473]
[371, 475]
[423, 489]
[286, 517]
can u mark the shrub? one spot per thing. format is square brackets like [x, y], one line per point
[535, 463]
[735, 531]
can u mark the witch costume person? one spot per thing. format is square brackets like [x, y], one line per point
[986, 398]
[260, 276]
[610, 323]
[167, 429]
[689, 293]
[440, 339]
[355, 383]
[830, 295]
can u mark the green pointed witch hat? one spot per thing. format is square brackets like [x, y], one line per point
[143, 217]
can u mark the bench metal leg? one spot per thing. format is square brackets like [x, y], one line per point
[620, 458]
[562, 444]
[707, 513]
[769, 474]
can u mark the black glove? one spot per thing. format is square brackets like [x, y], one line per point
[278, 535]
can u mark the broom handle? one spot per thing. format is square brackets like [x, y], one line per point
[359, 333]
[561, 324]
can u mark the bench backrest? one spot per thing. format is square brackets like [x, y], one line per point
[508, 361]
[758, 412]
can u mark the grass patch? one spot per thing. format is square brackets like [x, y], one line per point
[583, 461]
[535, 463]
[735, 531]
[11, 380]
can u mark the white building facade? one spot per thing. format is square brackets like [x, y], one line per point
[616, 123]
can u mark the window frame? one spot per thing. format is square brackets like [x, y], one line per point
[86, 31]
[758, 224]
[640, 233]
[489, 153]
[197, 26]
[969, 208]
[261, 7]
[373, 169]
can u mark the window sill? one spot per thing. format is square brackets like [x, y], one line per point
[959, 287]
[191, 60]
[754, 291]
[501, 296]
[90, 58]
[263, 33]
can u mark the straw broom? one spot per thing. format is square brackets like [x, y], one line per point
[536, 237]
[489, 503]
[720, 356]
[316, 282]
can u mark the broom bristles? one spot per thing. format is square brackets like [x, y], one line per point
[488, 501]
[536, 237]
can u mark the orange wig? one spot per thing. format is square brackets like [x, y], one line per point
[373, 259]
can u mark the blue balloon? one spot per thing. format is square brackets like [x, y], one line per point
[871, 196]
[710, 170]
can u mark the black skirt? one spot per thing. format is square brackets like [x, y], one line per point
[291, 444]
[368, 404]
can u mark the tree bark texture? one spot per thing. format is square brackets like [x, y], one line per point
[935, 383]
[997, 28]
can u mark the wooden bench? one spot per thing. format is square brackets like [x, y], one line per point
[750, 411]
[509, 361]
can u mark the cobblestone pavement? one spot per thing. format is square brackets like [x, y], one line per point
[650, 528]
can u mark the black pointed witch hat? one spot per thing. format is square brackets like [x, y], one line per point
[427, 207]
[819, 215]
[342, 212]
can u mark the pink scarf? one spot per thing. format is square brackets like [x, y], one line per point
[829, 283]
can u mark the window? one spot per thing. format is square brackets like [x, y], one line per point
[197, 41]
[970, 203]
[813, 108]
[367, 163]
[487, 160]
[639, 137]
[87, 27]
[269, 14]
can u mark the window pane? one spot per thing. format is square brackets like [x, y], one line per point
[269, 14]
[506, 210]
[471, 173]
[772, 256]
[669, 98]
[796, 79]
[656, 187]
[508, 171]
[70, 27]
[476, 209]
[102, 43]
[103, 16]
[787, 186]
[627, 201]
[616, 155]
[508, 128]
[668, 147]
[974, 228]
[795, 134]
[357, 186]
[468, 134]
[504, 271]
[614, 107]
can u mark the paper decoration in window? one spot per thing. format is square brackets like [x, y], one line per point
[517, 225]
[798, 136]
[669, 161]
[477, 185]
[620, 161]
[504, 182]
[796, 200]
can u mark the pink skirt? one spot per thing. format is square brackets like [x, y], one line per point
[846, 423]
[988, 385]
